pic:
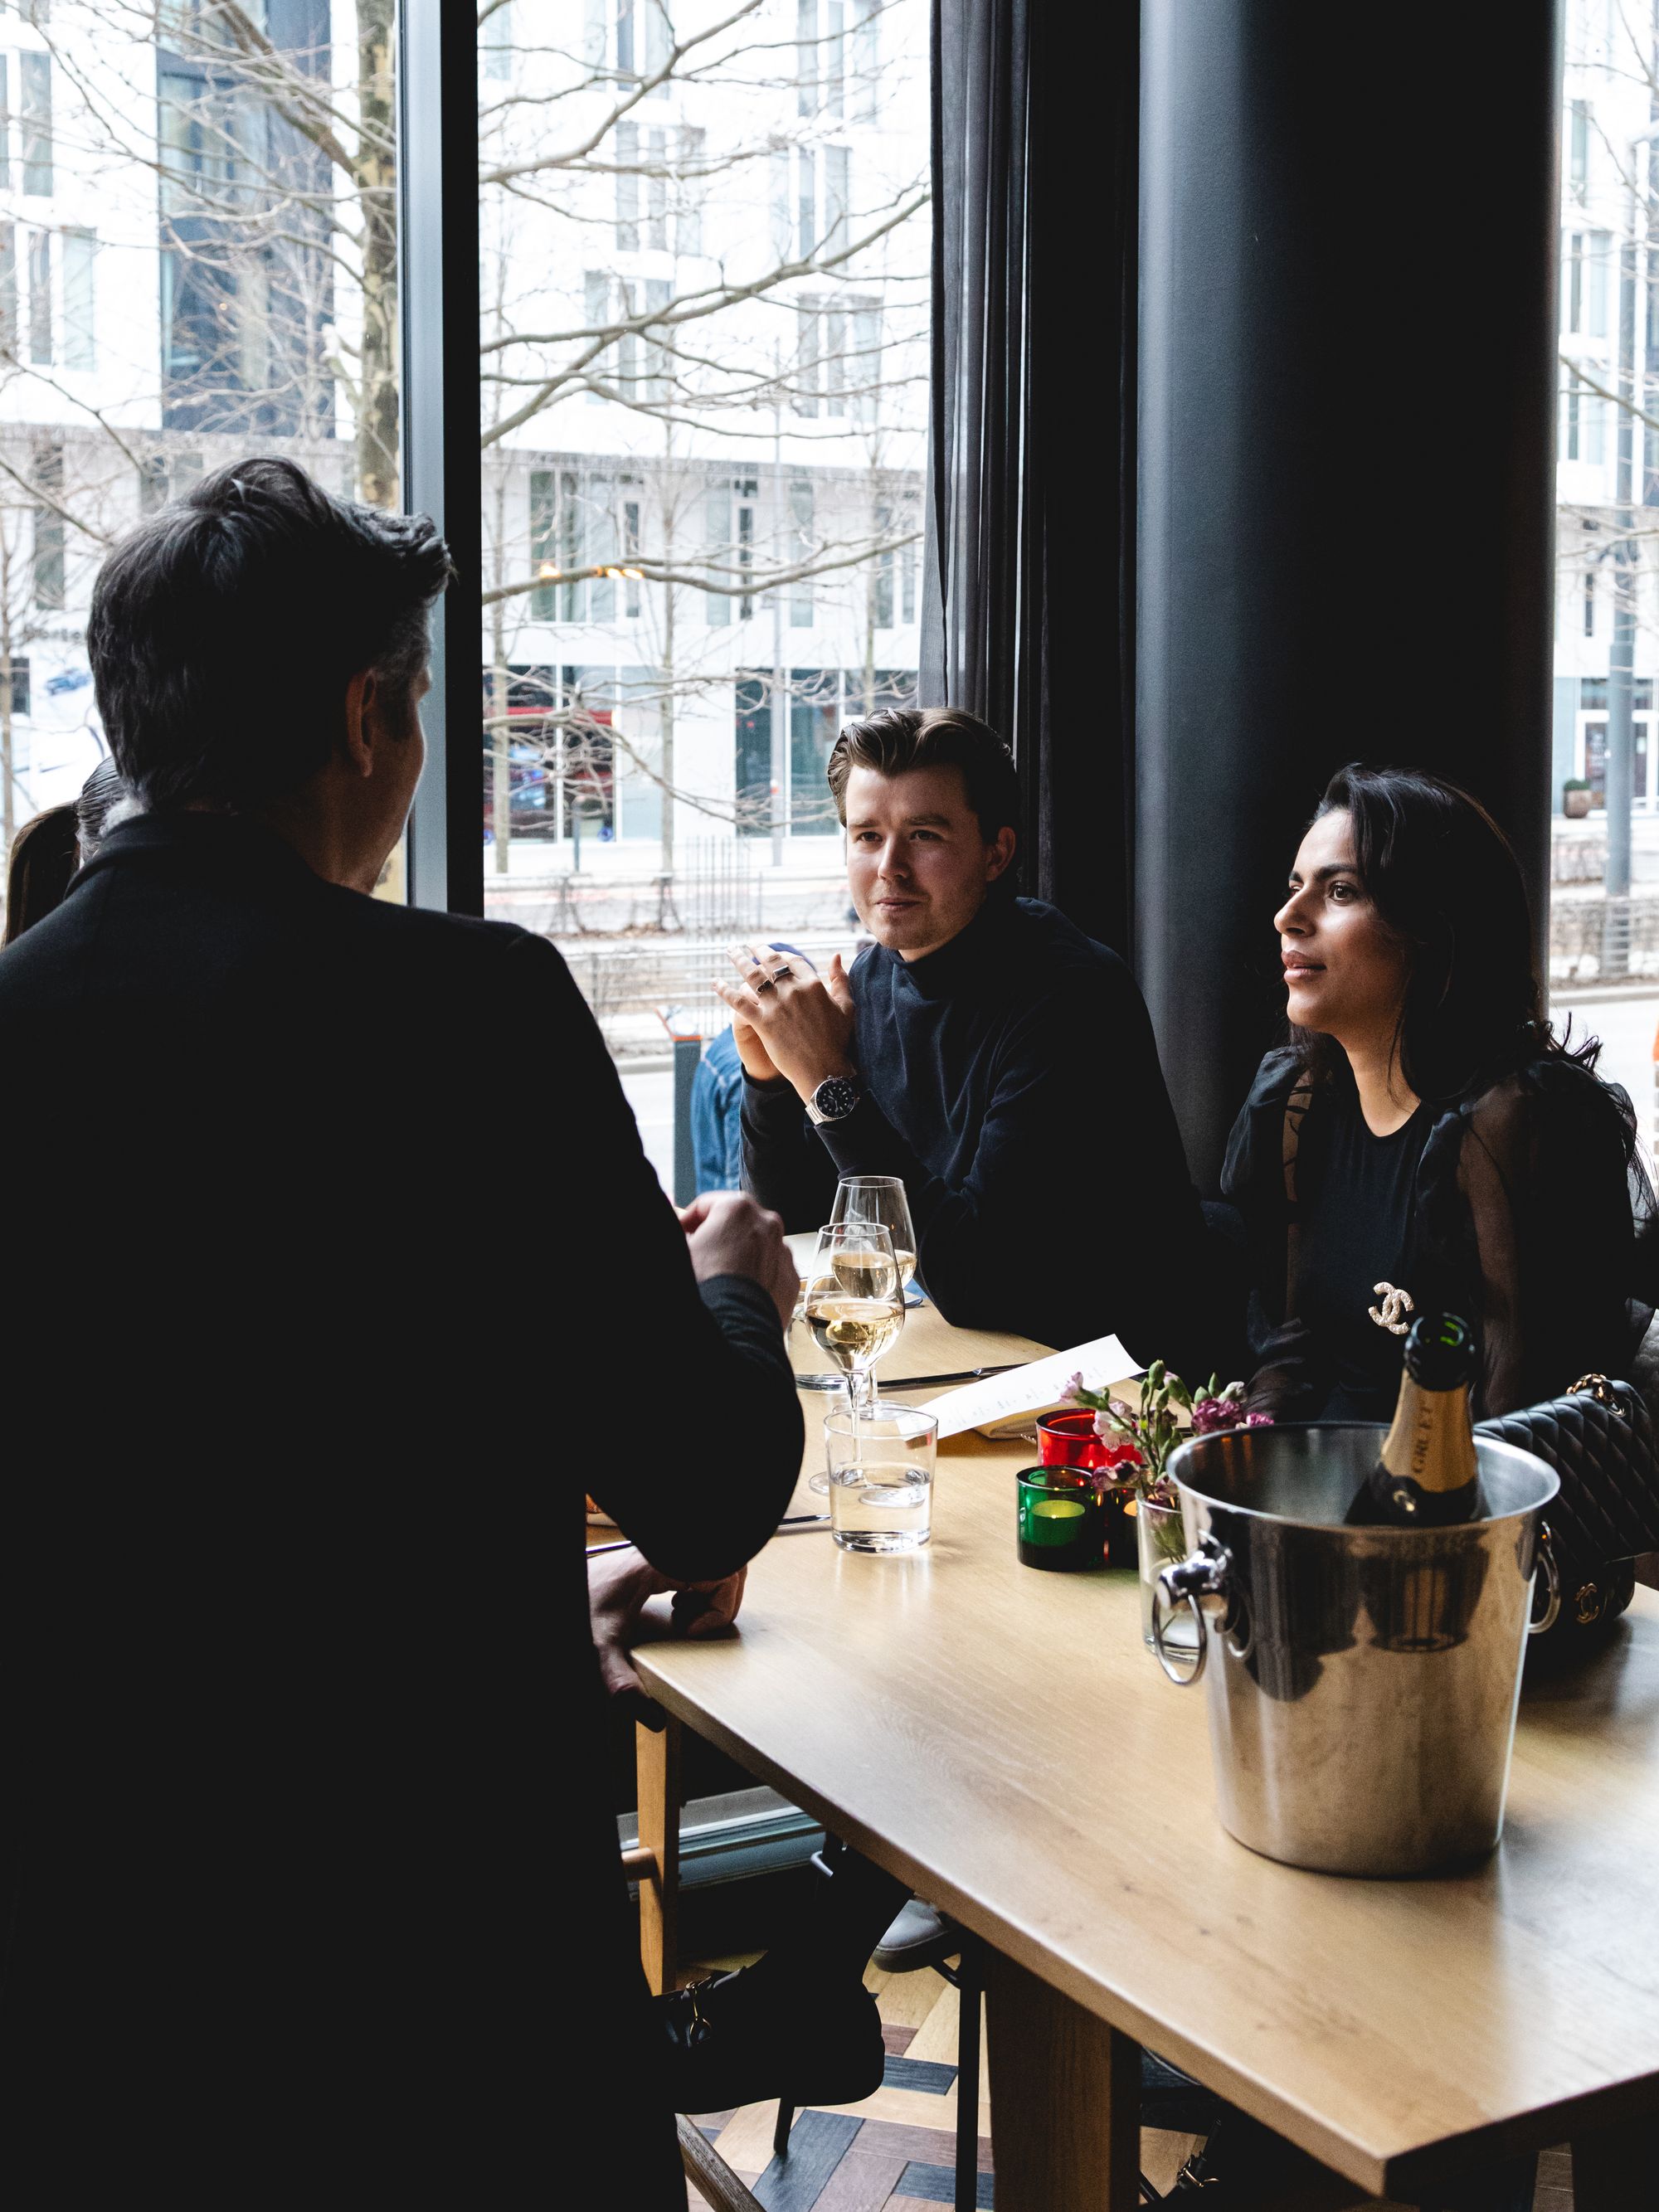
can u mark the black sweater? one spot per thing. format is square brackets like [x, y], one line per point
[1012, 1079]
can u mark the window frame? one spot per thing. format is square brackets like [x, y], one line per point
[442, 475]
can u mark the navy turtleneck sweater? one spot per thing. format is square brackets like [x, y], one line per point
[1012, 1079]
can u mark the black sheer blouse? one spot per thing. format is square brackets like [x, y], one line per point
[1526, 1204]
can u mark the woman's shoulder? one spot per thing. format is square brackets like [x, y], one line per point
[1254, 1149]
[1550, 1089]
[1276, 1078]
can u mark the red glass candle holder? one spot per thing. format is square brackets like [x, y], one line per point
[1068, 1439]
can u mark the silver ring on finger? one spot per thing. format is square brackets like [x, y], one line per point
[764, 983]
[778, 974]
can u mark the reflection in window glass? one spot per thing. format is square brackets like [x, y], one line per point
[199, 261]
[705, 254]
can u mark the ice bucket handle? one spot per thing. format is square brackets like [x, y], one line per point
[1201, 1577]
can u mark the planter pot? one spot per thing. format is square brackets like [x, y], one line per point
[1575, 805]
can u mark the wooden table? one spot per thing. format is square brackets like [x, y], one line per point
[1002, 1740]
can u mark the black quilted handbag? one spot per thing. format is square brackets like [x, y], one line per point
[1600, 1439]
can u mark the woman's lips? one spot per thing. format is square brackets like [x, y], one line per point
[1295, 970]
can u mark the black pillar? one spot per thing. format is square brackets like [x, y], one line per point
[1347, 341]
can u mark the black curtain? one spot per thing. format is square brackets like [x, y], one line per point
[1347, 457]
[1028, 598]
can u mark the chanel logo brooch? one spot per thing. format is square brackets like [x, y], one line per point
[1395, 1306]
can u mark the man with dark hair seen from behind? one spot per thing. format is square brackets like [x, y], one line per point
[313, 1888]
[984, 1050]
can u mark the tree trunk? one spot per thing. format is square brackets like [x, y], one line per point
[667, 769]
[377, 192]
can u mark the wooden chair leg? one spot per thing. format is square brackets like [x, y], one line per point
[1065, 2099]
[657, 1760]
[968, 1993]
[714, 2177]
[1613, 2169]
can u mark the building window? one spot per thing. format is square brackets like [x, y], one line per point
[628, 187]
[80, 261]
[495, 41]
[1579, 149]
[35, 77]
[864, 364]
[544, 543]
[1570, 441]
[748, 491]
[656, 192]
[630, 550]
[881, 582]
[801, 549]
[47, 471]
[1599, 253]
[1590, 602]
[40, 297]
[1573, 290]
[8, 335]
[688, 194]
[717, 534]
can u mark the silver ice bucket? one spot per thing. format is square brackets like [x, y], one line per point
[1363, 1681]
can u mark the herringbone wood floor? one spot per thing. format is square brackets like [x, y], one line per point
[895, 2152]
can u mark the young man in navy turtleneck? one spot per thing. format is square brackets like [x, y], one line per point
[982, 1048]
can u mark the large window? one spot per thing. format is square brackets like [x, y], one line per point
[197, 259]
[705, 237]
[1604, 951]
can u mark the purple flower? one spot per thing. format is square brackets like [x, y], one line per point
[1258, 1420]
[1210, 1414]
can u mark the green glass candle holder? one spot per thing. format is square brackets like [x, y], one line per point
[1062, 1524]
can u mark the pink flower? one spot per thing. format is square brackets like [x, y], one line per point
[1072, 1394]
[1258, 1420]
[1210, 1414]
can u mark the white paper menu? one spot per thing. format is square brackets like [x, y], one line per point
[1029, 1390]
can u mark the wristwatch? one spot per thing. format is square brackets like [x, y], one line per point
[834, 1099]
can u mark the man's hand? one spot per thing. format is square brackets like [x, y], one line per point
[803, 1023]
[619, 1583]
[729, 1235]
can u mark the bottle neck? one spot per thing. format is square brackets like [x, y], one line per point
[1430, 1442]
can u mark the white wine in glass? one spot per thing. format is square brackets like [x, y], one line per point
[880, 1198]
[854, 1304]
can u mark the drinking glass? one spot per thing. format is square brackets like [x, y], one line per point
[854, 1304]
[879, 1197]
[881, 1478]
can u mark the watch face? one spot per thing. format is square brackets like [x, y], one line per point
[835, 1097]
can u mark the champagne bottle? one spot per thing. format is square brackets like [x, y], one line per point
[1427, 1475]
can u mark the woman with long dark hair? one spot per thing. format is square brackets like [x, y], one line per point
[1425, 1141]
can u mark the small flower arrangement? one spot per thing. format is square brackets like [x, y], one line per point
[1152, 1430]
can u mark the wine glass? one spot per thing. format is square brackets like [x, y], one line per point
[854, 1305]
[879, 1197]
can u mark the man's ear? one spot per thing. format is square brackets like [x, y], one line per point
[999, 854]
[362, 721]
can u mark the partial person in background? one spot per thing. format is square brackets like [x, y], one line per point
[47, 851]
[984, 1050]
[717, 1116]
